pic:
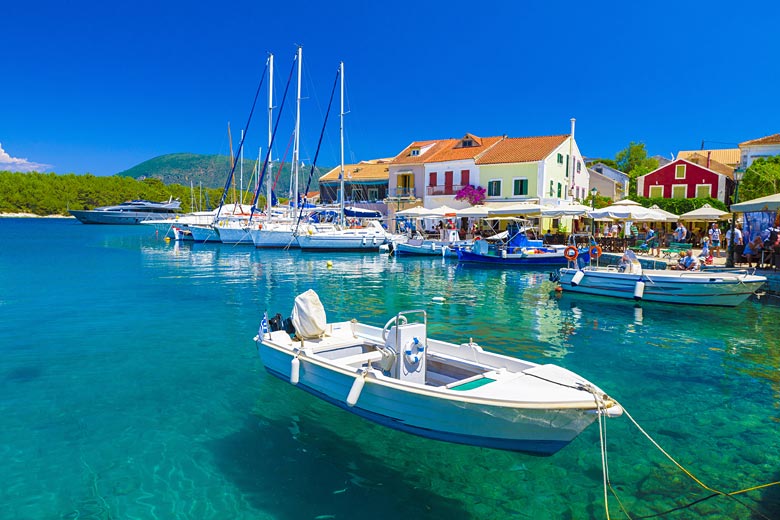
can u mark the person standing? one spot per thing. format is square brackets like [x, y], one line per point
[714, 233]
[652, 242]
[680, 233]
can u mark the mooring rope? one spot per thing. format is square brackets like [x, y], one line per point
[608, 484]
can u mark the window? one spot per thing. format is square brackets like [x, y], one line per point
[679, 171]
[560, 158]
[559, 190]
[464, 177]
[579, 166]
[467, 143]
[432, 179]
[414, 152]
[656, 192]
[703, 190]
[494, 189]
[520, 187]
[551, 188]
[679, 191]
[373, 194]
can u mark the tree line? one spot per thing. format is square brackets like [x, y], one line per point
[52, 194]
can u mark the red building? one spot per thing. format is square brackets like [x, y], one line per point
[682, 179]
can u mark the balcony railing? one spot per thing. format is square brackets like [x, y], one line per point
[444, 190]
[401, 193]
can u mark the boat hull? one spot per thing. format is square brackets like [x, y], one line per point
[233, 235]
[342, 241]
[423, 248]
[270, 237]
[202, 234]
[518, 414]
[114, 217]
[678, 287]
[516, 260]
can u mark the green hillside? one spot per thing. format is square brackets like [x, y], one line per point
[211, 171]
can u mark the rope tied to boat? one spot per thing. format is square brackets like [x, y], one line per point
[598, 397]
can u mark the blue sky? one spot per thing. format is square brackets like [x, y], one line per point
[99, 87]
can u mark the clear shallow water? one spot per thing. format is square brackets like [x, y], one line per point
[130, 388]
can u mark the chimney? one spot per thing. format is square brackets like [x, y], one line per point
[709, 158]
[572, 127]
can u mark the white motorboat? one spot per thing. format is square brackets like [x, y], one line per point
[399, 377]
[130, 212]
[631, 281]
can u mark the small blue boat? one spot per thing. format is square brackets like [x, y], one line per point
[519, 250]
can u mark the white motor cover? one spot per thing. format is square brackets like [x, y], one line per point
[308, 315]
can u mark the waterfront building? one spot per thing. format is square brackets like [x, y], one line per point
[757, 148]
[684, 179]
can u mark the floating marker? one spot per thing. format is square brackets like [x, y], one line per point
[329, 263]
[438, 298]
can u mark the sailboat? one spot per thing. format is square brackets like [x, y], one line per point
[339, 237]
[277, 229]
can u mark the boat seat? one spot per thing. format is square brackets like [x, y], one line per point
[360, 359]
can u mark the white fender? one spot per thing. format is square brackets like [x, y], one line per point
[639, 290]
[295, 371]
[354, 392]
[577, 278]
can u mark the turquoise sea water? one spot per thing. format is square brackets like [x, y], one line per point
[130, 388]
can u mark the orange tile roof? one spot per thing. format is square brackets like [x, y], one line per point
[714, 165]
[725, 156]
[406, 156]
[770, 139]
[521, 149]
[456, 151]
[375, 169]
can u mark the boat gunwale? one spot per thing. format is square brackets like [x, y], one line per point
[442, 392]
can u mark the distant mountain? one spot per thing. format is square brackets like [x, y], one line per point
[212, 171]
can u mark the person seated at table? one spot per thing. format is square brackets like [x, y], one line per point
[688, 262]
[753, 250]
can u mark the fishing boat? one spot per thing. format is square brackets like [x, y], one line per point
[518, 250]
[630, 281]
[130, 212]
[398, 377]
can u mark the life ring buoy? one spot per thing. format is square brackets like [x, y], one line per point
[413, 351]
[571, 253]
[595, 251]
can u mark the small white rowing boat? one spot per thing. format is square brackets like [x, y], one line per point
[398, 377]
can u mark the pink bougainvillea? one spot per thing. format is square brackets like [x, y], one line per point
[473, 195]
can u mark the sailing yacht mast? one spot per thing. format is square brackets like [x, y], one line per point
[296, 146]
[341, 137]
[241, 180]
[269, 180]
